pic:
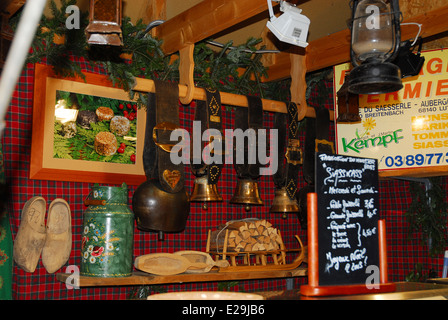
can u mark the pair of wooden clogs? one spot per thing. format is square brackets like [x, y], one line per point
[52, 240]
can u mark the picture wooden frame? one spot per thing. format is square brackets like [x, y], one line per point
[43, 163]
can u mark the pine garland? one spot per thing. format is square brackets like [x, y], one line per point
[219, 70]
[428, 214]
[58, 55]
[216, 69]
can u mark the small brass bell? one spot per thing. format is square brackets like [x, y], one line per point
[283, 204]
[246, 192]
[204, 192]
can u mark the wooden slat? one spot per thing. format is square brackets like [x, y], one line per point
[335, 48]
[147, 85]
[298, 82]
[205, 20]
[141, 278]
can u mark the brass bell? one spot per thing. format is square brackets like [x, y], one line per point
[283, 204]
[246, 192]
[204, 192]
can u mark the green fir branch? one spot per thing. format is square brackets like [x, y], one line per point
[427, 215]
[219, 69]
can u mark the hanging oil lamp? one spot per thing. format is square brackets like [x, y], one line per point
[374, 45]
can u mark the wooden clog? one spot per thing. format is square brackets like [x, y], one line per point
[58, 243]
[30, 238]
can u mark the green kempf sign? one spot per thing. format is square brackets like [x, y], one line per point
[357, 144]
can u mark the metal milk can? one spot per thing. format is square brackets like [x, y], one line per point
[108, 233]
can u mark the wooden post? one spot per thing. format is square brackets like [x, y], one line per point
[186, 69]
[383, 250]
[207, 247]
[298, 83]
[313, 250]
[224, 250]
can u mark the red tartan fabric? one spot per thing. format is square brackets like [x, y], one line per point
[403, 254]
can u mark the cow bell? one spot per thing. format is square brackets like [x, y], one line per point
[283, 204]
[246, 192]
[204, 191]
[158, 210]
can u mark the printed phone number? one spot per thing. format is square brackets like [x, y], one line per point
[417, 160]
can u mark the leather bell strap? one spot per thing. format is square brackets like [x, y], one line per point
[316, 140]
[249, 118]
[290, 158]
[162, 117]
[323, 144]
[209, 114]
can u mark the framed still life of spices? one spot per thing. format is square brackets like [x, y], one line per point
[85, 130]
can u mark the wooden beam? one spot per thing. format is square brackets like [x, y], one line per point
[205, 20]
[335, 48]
[147, 85]
[9, 7]
[155, 10]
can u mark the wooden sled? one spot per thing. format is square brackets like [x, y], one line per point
[259, 260]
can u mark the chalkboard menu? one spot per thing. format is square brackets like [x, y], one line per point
[348, 202]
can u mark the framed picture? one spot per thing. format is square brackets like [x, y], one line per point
[85, 131]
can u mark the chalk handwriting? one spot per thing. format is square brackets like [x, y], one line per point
[349, 200]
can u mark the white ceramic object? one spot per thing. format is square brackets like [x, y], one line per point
[205, 295]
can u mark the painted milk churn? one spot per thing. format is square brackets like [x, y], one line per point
[108, 233]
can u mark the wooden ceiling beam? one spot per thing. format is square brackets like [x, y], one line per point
[335, 48]
[204, 20]
[9, 7]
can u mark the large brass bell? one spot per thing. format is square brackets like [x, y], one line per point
[283, 204]
[246, 192]
[204, 192]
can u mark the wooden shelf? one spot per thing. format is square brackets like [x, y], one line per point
[141, 278]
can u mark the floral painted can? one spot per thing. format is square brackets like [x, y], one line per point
[108, 233]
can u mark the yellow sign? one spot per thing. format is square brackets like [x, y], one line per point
[403, 129]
